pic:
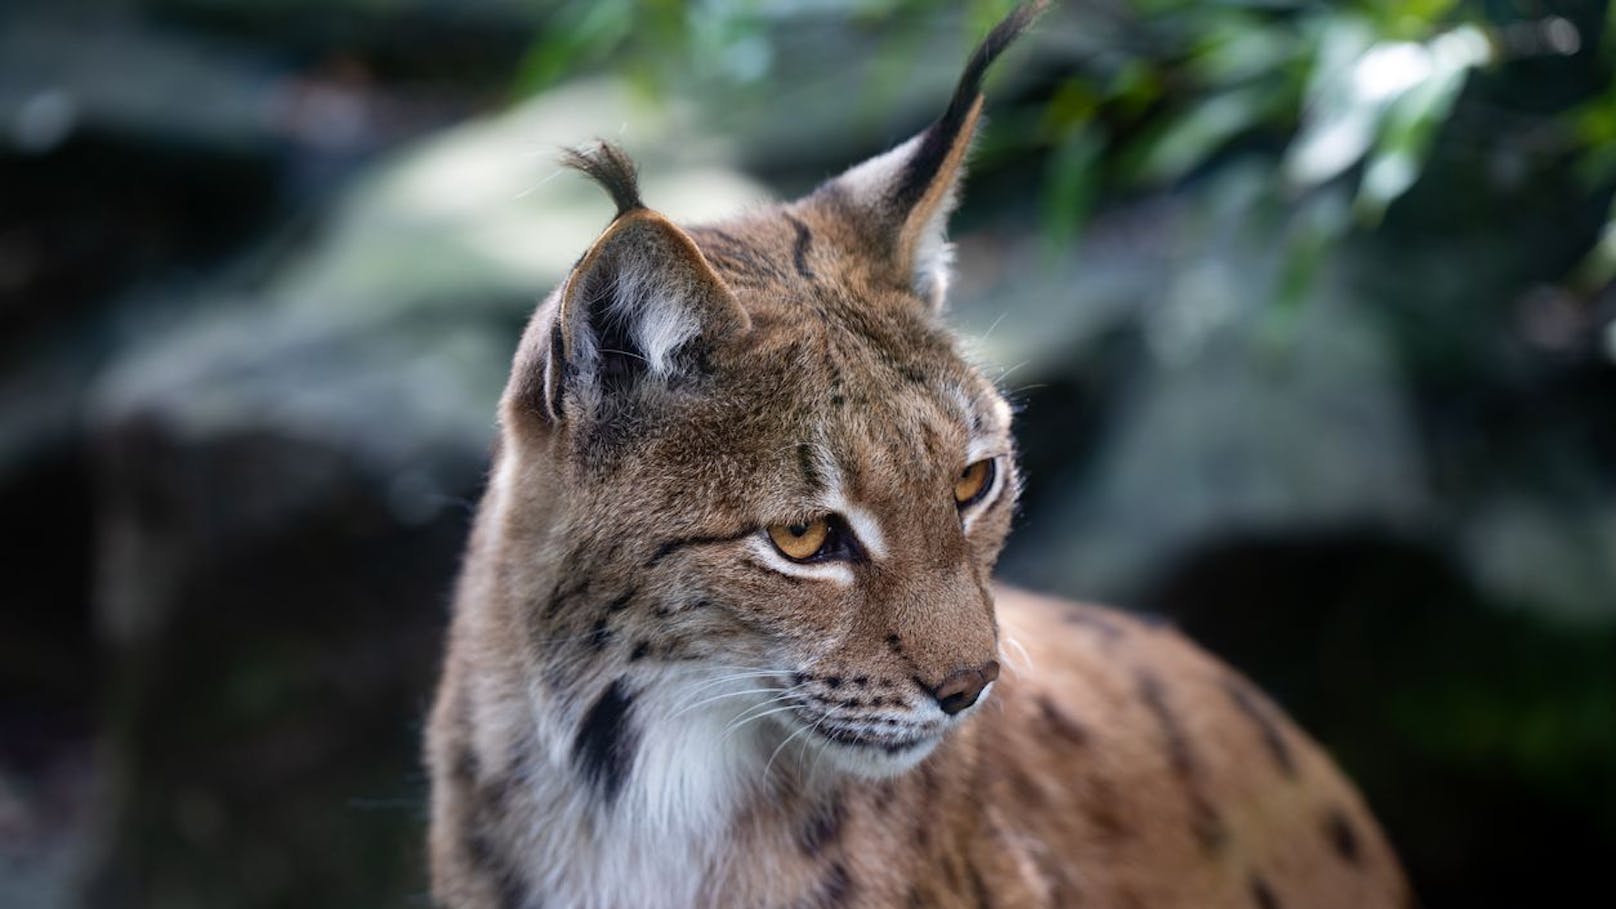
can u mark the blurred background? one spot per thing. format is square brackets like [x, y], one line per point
[1308, 307]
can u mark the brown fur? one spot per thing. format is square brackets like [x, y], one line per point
[600, 735]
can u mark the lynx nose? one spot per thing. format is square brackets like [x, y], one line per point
[961, 689]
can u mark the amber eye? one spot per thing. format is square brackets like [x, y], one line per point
[973, 482]
[800, 542]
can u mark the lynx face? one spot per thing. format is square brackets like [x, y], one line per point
[823, 502]
[761, 437]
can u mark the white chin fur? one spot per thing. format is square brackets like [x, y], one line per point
[876, 763]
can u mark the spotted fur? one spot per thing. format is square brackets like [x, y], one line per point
[645, 703]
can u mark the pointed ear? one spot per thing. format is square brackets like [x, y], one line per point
[900, 201]
[637, 310]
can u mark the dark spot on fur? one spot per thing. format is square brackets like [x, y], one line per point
[1204, 819]
[1107, 630]
[562, 594]
[622, 601]
[799, 250]
[484, 853]
[492, 866]
[929, 781]
[894, 643]
[604, 747]
[641, 648]
[861, 680]
[834, 890]
[1257, 712]
[466, 768]
[1342, 837]
[979, 888]
[1261, 894]
[1104, 810]
[599, 635]
[823, 827]
[885, 792]
[1064, 726]
[833, 681]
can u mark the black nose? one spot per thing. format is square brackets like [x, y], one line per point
[962, 687]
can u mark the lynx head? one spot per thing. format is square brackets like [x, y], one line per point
[754, 452]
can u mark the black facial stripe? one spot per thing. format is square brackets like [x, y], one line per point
[604, 747]
[671, 546]
[810, 470]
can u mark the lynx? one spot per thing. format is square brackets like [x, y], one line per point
[726, 634]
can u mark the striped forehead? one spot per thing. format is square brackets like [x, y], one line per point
[906, 439]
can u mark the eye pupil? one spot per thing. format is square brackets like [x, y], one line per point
[797, 530]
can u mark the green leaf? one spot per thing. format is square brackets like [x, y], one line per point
[1071, 184]
[1185, 143]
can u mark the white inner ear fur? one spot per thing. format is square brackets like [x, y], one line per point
[656, 316]
[933, 255]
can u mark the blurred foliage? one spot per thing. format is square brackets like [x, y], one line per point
[1350, 96]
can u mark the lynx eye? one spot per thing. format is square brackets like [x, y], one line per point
[973, 483]
[801, 542]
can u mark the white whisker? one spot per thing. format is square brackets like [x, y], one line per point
[718, 697]
[752, 719]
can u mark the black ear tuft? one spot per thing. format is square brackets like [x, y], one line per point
[614, 170]
[941, 136]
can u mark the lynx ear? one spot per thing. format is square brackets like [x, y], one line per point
[900, 201]
[636, 309]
